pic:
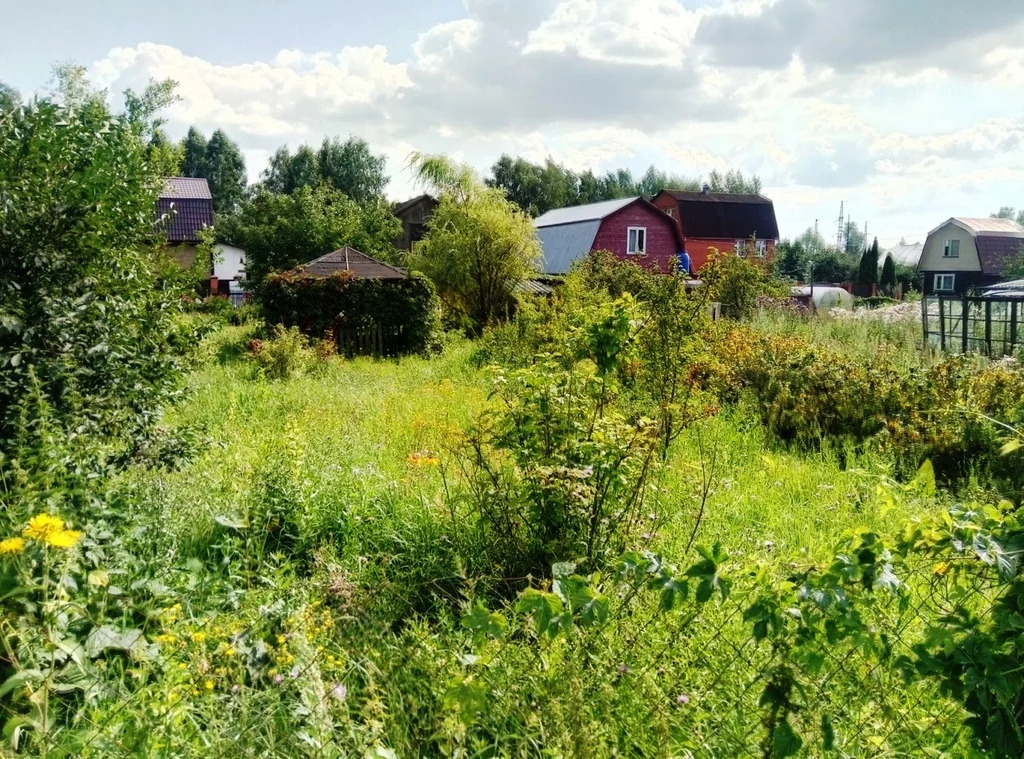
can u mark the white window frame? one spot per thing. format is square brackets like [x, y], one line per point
[762, 248]
[741, 248]
[939, 278]
[641, 236]
[947, 250]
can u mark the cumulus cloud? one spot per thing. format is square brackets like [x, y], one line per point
[845, 35]
[782, 88]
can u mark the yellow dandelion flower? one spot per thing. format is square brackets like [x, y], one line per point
[198, 637]
[12, 545]
[209, 685]
[63, 538]
[41, 526]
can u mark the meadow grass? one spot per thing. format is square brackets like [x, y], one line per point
[345, 453]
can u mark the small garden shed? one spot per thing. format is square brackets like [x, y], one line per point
[368, 306]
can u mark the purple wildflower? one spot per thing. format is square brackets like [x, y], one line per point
[682, 699]
[339, 691]
[278, 679]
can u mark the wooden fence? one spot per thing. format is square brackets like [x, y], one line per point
[360, 341]
[986, 325]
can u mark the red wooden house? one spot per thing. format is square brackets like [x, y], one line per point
[724, 221]
[631, 228]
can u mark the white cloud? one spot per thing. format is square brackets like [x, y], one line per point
[656, 32]
[597, 85]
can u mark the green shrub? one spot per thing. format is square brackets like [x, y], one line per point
[84, 328]
[405, 309]
[285, 355]
[737, 282]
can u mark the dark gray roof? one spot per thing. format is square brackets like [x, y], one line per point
[588, 212]
[350, 259]
[401, 208]
[565, 243]
[996, 251]
[725, 215]
[183, 208]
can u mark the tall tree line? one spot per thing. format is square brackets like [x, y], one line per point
[220, 162]
[537, 188]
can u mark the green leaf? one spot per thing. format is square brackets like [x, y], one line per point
[18, 679]
[785, 741]
[1010, 446]
[107, 637]
[469, 696]
[544, 608]
[673, 591]
[483, 623]
[924, 481]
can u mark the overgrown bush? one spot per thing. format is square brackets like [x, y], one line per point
[405, 309]
[284, 355]
[955, 414]
[89, 341]
[737, 282]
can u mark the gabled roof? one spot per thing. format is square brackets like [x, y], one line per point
[350, 259]
[577, 214]
[401, 208]
[188, 205]
[725, 215]
[565, 243]
[986, 225]
[186, 187]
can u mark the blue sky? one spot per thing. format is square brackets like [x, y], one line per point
[909, 111]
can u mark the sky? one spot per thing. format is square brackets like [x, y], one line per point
[909, 111]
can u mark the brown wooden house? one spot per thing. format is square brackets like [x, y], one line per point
[414, 215]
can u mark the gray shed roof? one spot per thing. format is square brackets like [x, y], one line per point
[907, 255]
[566, 243]
[588, 212]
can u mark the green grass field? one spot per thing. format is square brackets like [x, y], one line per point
[348, 452]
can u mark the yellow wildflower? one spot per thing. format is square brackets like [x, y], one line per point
[41, 526]
[11, 545]
[63, 538]
[209, 685]
[198, 637]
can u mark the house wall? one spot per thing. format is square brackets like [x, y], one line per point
[963, 281]
[700, 250]
[932, 259]
[662, 245]
[698, 247]
[230, 263]
[414, 223]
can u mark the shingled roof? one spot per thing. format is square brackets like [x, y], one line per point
[350, 259]
[996, 251]
[188, 206]
[725, 215]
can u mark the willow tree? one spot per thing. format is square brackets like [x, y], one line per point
[479, 245]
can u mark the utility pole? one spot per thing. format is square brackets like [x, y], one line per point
[840, 230]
